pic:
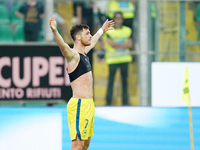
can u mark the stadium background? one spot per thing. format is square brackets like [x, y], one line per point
[164, 32]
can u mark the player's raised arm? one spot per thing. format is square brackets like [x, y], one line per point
[65, 49]
[106, 26]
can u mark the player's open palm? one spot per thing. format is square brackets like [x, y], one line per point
[52, 23]
[107, 25]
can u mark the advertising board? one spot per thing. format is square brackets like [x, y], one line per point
[33, 72]
[167, 83]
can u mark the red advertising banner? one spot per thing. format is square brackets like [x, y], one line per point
[33, 72]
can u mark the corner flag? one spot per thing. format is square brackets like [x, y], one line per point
[185, 90]
[186, 99]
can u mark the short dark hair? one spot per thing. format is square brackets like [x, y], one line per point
[77, 28]
[118, 12]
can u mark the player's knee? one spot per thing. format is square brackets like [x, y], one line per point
[77, 145]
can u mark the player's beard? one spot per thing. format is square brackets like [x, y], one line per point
[86, 43]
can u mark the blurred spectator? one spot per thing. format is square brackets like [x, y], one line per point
[32, 12]
[127, 8]
[117, 43]
[62, 26]
[84, 13]
[100, 8]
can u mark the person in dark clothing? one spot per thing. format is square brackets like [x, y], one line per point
[32, 12]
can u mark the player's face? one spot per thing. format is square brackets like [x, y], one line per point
[86, 37]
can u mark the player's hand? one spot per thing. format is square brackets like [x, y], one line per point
[52, 23]
[107, 25]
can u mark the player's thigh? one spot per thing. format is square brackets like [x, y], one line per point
[87, 142]
[77, 143]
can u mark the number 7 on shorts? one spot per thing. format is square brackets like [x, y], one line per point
[86, 123]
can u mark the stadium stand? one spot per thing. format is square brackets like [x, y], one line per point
[191, 34]
[169, 29]
[4, 13]
[19, 33]
[6, 33]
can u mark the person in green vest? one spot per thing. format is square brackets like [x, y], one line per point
[118, 43]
